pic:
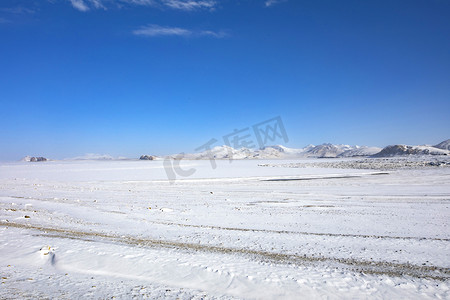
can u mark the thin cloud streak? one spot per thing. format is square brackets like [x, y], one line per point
[269, 3]
[80, 5]
[186, 5]
[11, 14]
[17, 10]
[141, 2]
[190, 5]
[98, 4]
[218, 35]
[157, 30]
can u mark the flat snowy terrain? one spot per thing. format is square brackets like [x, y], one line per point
[249, 229]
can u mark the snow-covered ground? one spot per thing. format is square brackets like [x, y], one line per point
[103, 229]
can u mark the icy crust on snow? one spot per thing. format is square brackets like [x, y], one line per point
[117, 228]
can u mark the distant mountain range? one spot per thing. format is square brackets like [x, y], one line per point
[401, 150]
[282, 152]
[279, 151]
[320, 151]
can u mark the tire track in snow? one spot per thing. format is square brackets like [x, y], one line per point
[304, 232]
[364, 266]
[371, 236]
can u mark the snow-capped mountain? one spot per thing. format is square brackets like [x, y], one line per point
[282, 152]
[327, 150]
[323, 151]
[445, 145]
[279, 151]
[222, 152]
[360, 151]
[401, 150]
[34, 159]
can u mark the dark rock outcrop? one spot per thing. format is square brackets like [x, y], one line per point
[37, 159]
[147, 157]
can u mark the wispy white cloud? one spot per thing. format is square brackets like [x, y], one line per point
[10, 14]
[190, 5]
[140, 2]
[98, 4]
[80, 5]
[17, 10]
[269, 3]
[186, 5]
[157, 30]
[220, 34]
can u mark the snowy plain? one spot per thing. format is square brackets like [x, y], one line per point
[248, 229]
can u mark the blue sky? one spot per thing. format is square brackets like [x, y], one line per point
[131, 77]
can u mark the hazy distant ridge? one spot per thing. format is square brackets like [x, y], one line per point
[326, 150]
